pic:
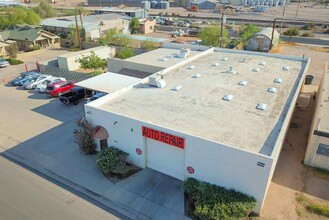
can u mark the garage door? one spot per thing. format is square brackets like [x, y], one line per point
[165, 158]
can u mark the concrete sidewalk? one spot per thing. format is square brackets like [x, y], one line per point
[145, 195]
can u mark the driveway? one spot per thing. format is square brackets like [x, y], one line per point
[37, 130]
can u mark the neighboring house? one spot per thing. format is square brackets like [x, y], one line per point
[95, 26]
[3, 45]
[261, 41]
[147, 26]
[28, 36]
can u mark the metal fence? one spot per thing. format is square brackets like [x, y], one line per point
[69, 75]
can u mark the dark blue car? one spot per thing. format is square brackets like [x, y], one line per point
[24, 77]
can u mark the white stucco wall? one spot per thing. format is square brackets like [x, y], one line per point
[67, 61]
[212, 162]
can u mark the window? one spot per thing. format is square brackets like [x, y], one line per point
[151, 27]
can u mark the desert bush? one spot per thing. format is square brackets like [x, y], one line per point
[291, 32]
[84, 136]
[215, 202]
[112, 160]
[125, 53]
[14, 61]
[306, 34]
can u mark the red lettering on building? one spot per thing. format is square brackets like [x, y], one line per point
[163, 137]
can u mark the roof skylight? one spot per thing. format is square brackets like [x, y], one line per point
[242, 83]
[261, 106]
[278, 80]
[228, 97]
[272, 90]
[177, 88]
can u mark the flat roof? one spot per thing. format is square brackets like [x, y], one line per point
[324, 104]
[116, 9]
[162, 57]
[199, 109]
[108, 82]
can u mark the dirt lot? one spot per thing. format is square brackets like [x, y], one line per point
[291, 178]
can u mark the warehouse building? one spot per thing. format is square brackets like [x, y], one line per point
[217, 115]
[317, 152]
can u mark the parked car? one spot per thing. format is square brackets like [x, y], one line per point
[3, 62]
[19, 81]
[58, 88]
[75, 95]
[42, 87]
[96, 96]
[32, 84]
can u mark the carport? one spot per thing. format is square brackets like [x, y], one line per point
[108, 82]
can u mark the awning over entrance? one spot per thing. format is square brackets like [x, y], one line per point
[100, 133]
[108, 82]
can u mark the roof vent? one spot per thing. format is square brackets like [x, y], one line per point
[242, 83]
[225, 59]
[161, 83]
[278, 80]
[262, 63]
[154, 79]
[255, 69]
[163, 59]
[286, 68]
[272, 90]
[231, 70]
[216, 64]
[228, 97]
[191, 67]
[196, 75]
[177, 88]
[261, 106]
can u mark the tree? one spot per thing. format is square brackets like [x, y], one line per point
[92, 62]
[18, 15]
[210, 36]
[134, 26]
[125, 53]
[45, 10]
[248, 31]
[84, 136]
[73, 38]
[12, 51]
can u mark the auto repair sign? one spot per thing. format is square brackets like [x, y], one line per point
[163, 137]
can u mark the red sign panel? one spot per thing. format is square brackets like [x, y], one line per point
[139, 151]
[163, 137]
[190, 169]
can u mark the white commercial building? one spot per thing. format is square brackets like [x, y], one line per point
[317, 152]
[217, 115]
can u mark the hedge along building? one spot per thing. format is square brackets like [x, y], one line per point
[219, 116]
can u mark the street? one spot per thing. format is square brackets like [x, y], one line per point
[25, 195]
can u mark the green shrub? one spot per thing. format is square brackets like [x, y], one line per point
[148, 45]
[112, 160]
[308, 26]
[125, 53]
[14, 61]
[34, 47]
[306, 34]
[215, 202]
[318, 209]
[291, 32]
[84, 136]
[96, 73]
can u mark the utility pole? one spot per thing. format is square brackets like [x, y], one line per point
[297, 8]
[82, 29]
[221, 29]
[284, 10]
[78, 33]
[272, 33]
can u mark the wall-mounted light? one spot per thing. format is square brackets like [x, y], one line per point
[89, 112]
[116, 122]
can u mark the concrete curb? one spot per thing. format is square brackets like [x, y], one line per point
[73, 186]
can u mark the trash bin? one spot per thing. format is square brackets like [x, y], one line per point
[309, 79]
